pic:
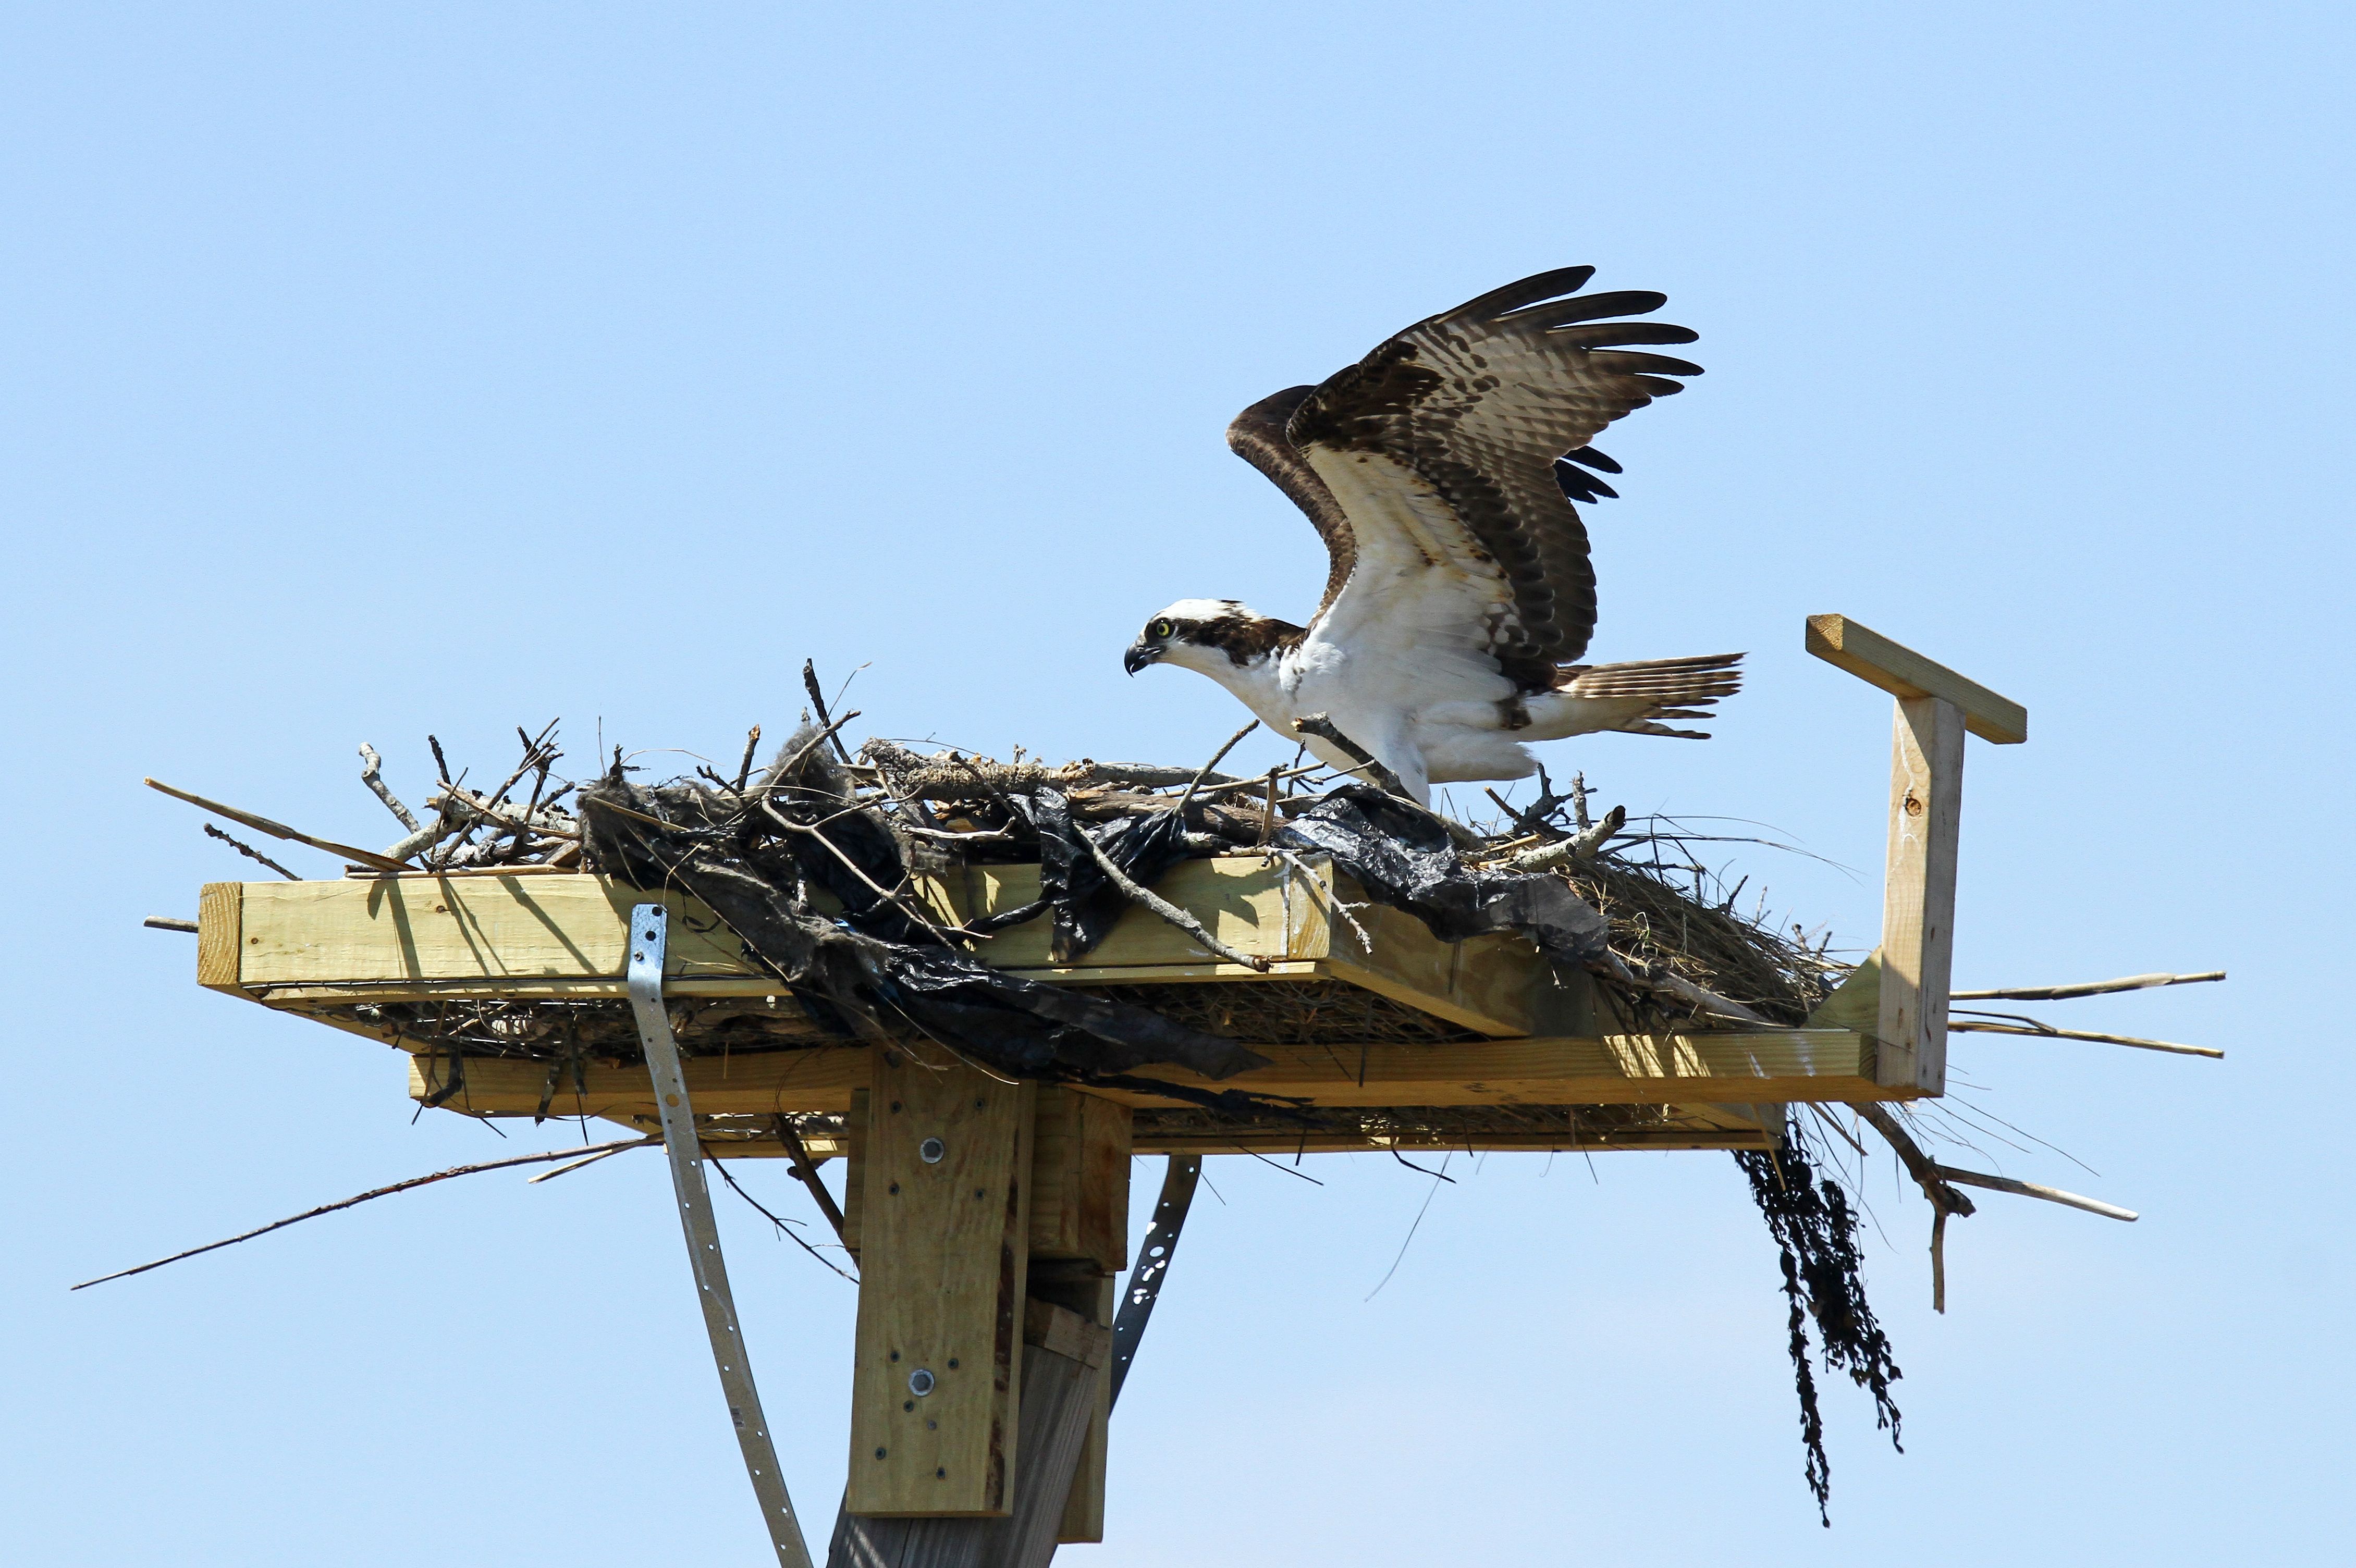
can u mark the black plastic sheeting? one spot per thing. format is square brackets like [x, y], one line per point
[876, 964]
[1403, 857]
[1084, 900]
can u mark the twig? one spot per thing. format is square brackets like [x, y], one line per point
[250, 852]
[561, 1169]
[1165, 909]
[805, 1172]
[1973, 1026]
[1582, 848]
[744, 769]
[371, 775]
[166, 923]
[722, 1167]
[540, 1159]
[817, 706]
[1929, 1177]
[278, 829]
[1216, 757]
[1577, 799]
[2031, 1189]
[1324, 728]
[2089, 989]
[1318, 890]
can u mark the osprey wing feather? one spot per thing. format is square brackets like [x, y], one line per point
[1433, 467]
[1440, 471]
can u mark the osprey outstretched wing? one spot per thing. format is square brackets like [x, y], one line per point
[1440, 471]
[1458, 445]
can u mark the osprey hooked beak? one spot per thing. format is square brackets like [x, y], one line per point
[1151, 645]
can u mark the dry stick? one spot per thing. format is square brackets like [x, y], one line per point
[1944, 1200]
[278, 829]
[561, 1169]
[2031, 1189]
[1582, 847]
[540, 1159]
[1318, 890]
[250, 852]
[1972, 1026]
[2089, 989]
[805, 1172]
[1216, 757]
[1324, 728]
[744, 769]
[890, 897]
[371, 776]
[166, 923]
[1165, 909]
[1653, 976]
[817, 706]
[783, 1228]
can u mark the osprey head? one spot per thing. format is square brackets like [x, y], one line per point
[1208, 633]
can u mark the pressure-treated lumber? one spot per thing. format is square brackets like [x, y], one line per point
[1063, 1356]
[944, 1230]
[1918, 900]
[423, 937]
[1079, 1180]
[220, 932]
[1606, 1070]
[1907, 675]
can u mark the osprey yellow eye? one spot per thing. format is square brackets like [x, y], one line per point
[1160, 629]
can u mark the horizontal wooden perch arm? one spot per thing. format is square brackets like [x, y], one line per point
[1903, 673]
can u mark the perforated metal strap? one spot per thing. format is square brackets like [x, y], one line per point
[650, 925]
[1153, 1253]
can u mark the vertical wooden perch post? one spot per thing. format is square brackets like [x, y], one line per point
[1935, 708]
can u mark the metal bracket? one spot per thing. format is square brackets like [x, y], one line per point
[649, 925]
[1153, 1255]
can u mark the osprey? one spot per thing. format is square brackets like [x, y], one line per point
[1440, 470]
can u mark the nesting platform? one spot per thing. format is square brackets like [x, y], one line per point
[990, 1217]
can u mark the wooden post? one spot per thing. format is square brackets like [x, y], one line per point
[1918, 898]
[1935, 708]
[944, 1229]
[1064, 1356]
[1080, 1240]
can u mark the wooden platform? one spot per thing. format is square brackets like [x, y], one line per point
[1513, 1034]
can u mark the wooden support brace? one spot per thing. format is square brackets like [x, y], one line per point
[1936, 706]
[944, 1228]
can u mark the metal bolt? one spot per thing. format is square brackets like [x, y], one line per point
[920, 1382]
[879, 1453]
[931, 1150]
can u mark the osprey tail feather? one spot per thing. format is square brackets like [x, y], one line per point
[1633, 697]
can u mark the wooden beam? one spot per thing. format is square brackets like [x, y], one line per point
[220, 934]
[1918, 898]
[1834, 1064]
[444, 938]
[1907, 675]
[943, 1254]
[1064, 1356]
[1079, 1180]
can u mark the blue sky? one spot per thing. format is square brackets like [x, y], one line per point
[378, 371]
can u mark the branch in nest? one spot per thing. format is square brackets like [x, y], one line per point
[1164, 908]
[2089, 989]
[250, 852]
[1580, 848]
[952, 777]
[371, 775]
[1973, 1026]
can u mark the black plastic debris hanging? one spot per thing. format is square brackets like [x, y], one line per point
[1403, 857]
[1823, 1280]
[1085, 903]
